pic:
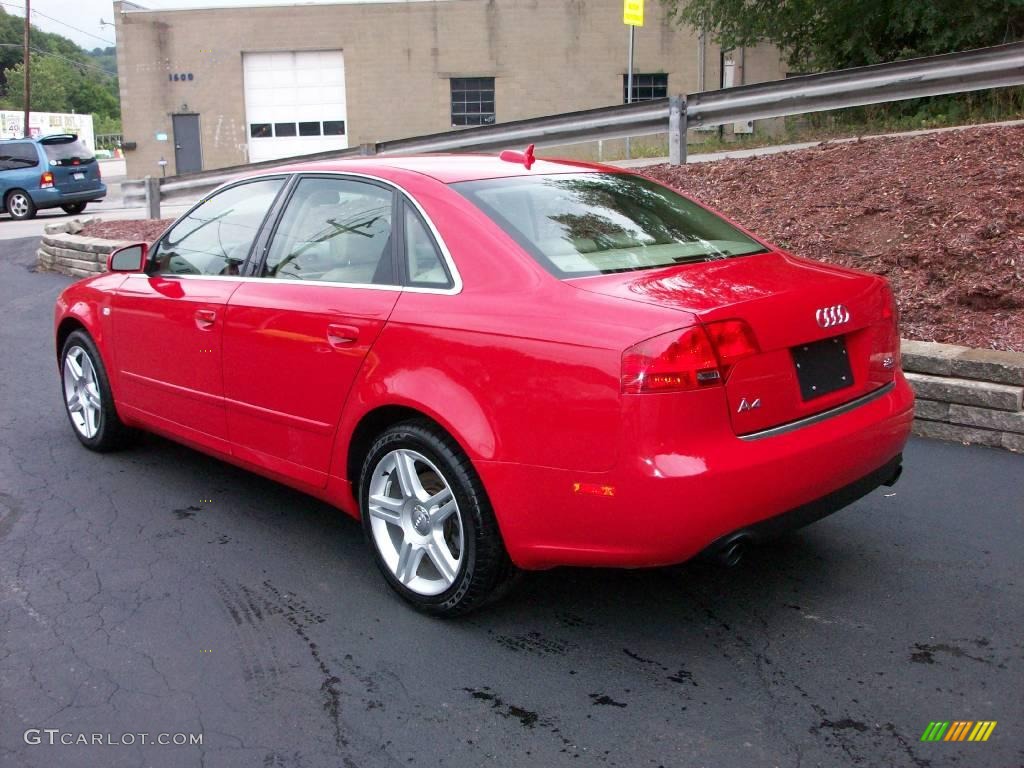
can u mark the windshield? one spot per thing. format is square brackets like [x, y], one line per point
[66, 150]
[597, 223]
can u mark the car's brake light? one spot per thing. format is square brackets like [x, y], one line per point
[690, 358]
[885, 347]
[99, 173]
[732, 340]
[46, 180]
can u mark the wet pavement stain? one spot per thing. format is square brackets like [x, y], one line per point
[526, 718]
[925, 654]
[603, 700]
[187, 512]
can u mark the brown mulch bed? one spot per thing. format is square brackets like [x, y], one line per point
[940, 215]
[136, 230]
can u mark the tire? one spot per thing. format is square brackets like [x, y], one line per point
[19, 205]
[454, 559]
[74, 208]
[88, 401]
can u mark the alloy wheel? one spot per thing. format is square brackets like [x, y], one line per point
[82, 392]
[415, 522]
[18, 204]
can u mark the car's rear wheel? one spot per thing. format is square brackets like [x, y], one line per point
[87, 398]
[19, 204]
[429, 523]
[74, 208]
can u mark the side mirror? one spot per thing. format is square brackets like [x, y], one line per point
[131, 258]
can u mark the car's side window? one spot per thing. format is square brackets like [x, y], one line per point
[15, 155]
[334, 230]
[423, 263]
[215, 237]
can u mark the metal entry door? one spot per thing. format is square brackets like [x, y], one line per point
[188, 154]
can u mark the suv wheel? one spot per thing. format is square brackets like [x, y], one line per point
[19, 204]
[74, 208]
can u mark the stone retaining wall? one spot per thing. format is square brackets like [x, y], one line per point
[963, 394]
[967, 395]
[63, 250]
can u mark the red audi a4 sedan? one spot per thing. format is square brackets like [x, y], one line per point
[496, 364]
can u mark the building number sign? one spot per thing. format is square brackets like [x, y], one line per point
[179, 77]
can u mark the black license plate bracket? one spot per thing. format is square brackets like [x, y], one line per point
[822, 367]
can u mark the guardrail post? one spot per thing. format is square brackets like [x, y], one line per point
[368, 149]
[677, 130]
[152, 197]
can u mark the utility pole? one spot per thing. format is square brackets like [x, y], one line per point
[28, 82]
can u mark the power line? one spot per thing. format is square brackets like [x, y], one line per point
[69, 26]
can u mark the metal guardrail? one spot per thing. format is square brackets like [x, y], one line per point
[980, 69]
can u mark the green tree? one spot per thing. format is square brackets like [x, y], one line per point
[65, 78]
[834, 34]
[49, 85]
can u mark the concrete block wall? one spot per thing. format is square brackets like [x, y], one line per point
[967, 395]
[63, 250]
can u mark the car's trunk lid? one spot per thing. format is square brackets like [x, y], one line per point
[819, 328]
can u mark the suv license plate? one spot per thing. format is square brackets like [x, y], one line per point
[78, 176]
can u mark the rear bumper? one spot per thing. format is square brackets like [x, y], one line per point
[812, 511]
[52, 198]
[685, 481]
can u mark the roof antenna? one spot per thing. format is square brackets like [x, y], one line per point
[514, 156]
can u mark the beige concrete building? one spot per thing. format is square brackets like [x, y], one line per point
[214, 87]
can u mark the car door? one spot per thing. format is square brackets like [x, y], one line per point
[295, 339]
[168, 323]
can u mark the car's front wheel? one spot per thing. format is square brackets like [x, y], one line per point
[429, 523]
[19, 204]
[87, 398]
[73, 208]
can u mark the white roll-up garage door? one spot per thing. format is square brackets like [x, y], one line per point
[294, 103]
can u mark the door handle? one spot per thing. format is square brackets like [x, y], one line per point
[342, 335]
[205, 318]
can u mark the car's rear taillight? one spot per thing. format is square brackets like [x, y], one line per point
[732, 340]
[885, 347]
[690, 358]
[46, 180]
[99, 173]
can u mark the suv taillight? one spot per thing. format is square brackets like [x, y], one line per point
[46, 180]
[689, 358]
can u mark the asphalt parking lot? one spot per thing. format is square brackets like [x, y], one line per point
[159, 591]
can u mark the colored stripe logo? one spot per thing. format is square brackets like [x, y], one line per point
[959, 730]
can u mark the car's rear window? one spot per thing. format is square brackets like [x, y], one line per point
[65, 150]
[582, 224]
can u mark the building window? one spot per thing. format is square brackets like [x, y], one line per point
[472, 100]
[334, 127]
[260, 130]
[309, 129]
[284, 129]
[645, 87]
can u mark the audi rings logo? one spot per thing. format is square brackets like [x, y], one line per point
[829, 317]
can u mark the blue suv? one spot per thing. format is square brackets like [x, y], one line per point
[48, 172]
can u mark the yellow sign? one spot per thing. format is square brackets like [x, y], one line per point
[633, 13]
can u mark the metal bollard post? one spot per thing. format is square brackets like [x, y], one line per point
[152, 197]
[677, 130]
